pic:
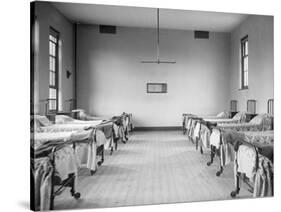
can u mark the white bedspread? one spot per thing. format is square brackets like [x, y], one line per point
[222, 120]
[66, 127]
[92, 123]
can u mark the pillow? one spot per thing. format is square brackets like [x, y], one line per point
[43, 120]
[241, 116]
[83, 115]
[263, 119]
[35, 125]
[257, 120]
[223, 115]
[237, 116]
[62, 119]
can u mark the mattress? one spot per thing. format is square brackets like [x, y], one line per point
[240, 126]
[262, 137]
[93, 122]
[45, 139]
[66, 127]
[222, 121]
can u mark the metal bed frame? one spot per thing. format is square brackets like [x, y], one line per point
[55, 181]
[251, 108]
[233, 107]
[270, 106]
[241, 177]
[70, 181]
[214, 151]
[270, 110]
[202, 122]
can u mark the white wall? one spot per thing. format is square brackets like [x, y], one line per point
[47, 16]
[260, 34]
[111, 79]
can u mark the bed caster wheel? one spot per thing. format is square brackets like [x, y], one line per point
[209, 163]
[233, 194]
[99, 163]
[218, 173]
[93, 172]
[77, 195]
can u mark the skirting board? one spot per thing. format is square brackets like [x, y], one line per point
[157, 128]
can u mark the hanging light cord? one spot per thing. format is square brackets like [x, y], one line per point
[158, 61]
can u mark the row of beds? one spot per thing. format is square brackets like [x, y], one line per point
[245, 139]
[60, 148]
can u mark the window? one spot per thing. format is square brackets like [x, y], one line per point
[244, 62]
[156, 88]
[53, 71]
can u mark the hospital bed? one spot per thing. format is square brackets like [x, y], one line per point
[222, 138]
[55, 161]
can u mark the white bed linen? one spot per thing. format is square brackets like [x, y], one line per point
[86, 152]
[66, 127]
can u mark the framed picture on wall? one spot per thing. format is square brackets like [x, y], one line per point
[156, 88]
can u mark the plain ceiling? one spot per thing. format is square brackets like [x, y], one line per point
[146, 17]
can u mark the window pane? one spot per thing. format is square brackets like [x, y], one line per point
[54, 64]
[246, 47]
[245, 63]
[54, 49]
[52, 93]
[53, 38]
[51, 78]
[50, 63]
[245, 83]
[54, 78]
[50, 47]
[246, 78]
[52, 104]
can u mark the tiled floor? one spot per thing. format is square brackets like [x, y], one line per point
[153, 167]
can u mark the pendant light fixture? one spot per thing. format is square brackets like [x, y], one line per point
[158, 61]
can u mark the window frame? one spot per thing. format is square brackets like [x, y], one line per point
[54, 33]
[243, 42]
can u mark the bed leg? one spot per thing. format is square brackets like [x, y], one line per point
[111, 150]
[219, 172]
[201, 150]
[73, 193]
[52, 193]
[115, 142]
[126, 134]
[52, 200]
[183, 128]
[196, 143]
[191, 139]
[212, 155]
[221, 167]
[237, 187]
[102, 155]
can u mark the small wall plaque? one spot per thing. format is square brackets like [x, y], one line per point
[156, 87]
